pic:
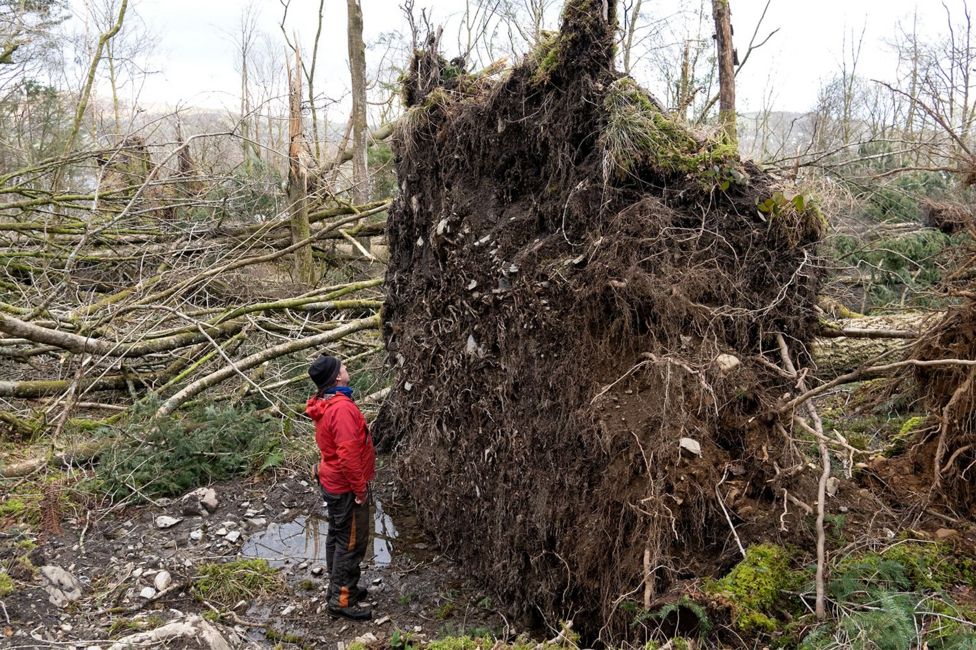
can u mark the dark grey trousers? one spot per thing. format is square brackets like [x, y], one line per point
[345, 546]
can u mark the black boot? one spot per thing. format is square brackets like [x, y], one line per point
[353, 612]
[359, 594]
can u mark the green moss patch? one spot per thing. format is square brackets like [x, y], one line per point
[6, 584]
[756, 585]
[637, 133]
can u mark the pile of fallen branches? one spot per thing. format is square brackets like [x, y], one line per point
[148, 284]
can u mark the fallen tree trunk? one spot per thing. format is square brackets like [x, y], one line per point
[872, 338]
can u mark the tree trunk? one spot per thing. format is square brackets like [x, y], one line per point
[836, 356]
[304, 268]
[357, 64]
[726, 67]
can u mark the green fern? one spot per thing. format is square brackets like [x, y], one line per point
[890, 625]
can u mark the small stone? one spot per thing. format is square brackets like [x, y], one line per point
[257, 522]
[318, 570]
[221, 531]
[417, 629]
[165, 521]
[233, 536]
[137, 573]
[833, 483]
[229, 524]
[208, 497]
[303, 565]
[196, 535]
[162, 580]
[288, 610]
[62, 587]
[377, 581]
[66, 627]
[385, 619]
[170, 543]
[691, 445]
[251, 512]
[147, 593]
[366, 639]
[945, 533]
[726, 363]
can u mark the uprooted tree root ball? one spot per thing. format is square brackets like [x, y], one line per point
[580, 292]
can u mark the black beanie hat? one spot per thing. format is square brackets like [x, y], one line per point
[324, 371]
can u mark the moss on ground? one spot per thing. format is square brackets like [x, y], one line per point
[122, 626]
[6, 584]
[461, 643]
[755, 586]
[906, 566]
[13, 506]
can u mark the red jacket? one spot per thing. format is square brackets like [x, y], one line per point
[348, 457]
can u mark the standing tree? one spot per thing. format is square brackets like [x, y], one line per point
[726, 66]
[357, 64]
[298, 159]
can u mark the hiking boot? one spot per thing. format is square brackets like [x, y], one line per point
[353, 612]
[359, 595]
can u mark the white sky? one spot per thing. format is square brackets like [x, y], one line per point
[195, 51]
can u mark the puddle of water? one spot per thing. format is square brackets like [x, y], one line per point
[384, 533]
[303, 540]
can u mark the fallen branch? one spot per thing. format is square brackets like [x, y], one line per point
[871, 372]
[861, 333]
[821, 608]
[253, 360]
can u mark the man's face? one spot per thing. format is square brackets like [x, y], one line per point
[342, 379]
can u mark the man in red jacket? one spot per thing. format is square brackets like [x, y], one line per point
[347, 466]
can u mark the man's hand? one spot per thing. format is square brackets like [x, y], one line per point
[360, 500]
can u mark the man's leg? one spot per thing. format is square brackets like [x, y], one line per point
[360, 516]
[340, 519]
[330, 539]
[351, 543]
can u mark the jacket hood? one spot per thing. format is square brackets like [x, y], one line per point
[315, 408]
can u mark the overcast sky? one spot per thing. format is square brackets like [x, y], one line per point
[194, 61]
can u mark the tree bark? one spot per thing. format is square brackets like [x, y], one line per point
[304, 264]
[726, 67]
[357, 65]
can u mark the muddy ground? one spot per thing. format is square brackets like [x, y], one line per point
[117, 556]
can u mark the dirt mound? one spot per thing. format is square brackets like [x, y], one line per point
[579, 291]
